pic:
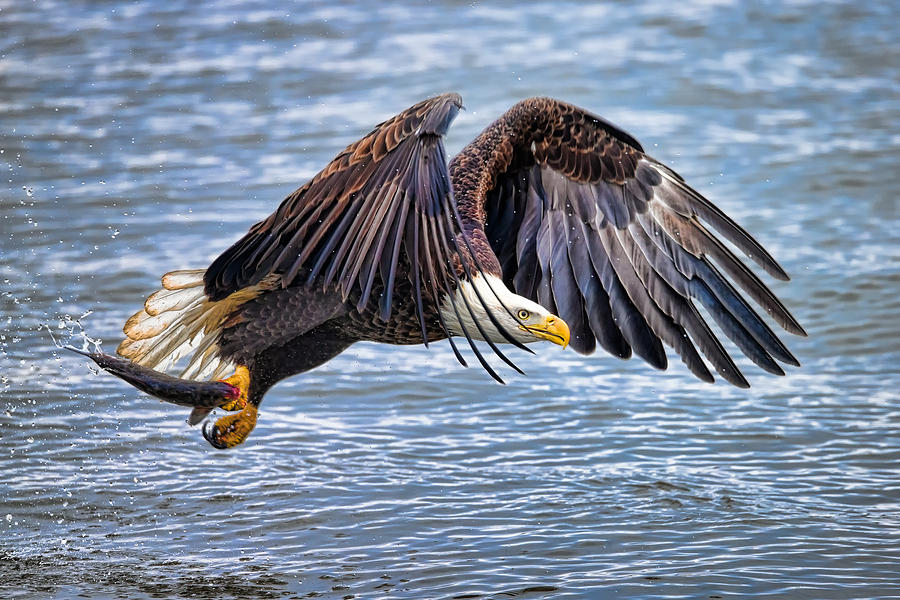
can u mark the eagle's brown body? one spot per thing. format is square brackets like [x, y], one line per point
[562, 207]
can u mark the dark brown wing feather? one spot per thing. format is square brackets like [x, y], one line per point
[348, 223]
[588, 225]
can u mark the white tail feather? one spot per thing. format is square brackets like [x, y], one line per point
[178, 280]
[174, 322]
[130, 348]
[142, 326]
[167, 300]
[225, 368]
[203, 353]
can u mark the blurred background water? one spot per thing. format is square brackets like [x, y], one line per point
[137, 138]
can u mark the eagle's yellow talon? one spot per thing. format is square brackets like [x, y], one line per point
[238, 403]
[241, 382]
[231, 430]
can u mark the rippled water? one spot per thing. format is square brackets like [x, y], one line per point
[142, 138]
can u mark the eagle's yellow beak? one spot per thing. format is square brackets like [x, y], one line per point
[553, 329]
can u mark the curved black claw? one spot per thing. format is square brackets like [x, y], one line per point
[213, 435]
[231, 430]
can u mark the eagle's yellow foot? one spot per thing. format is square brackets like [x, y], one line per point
[233, 429]
[240, 381]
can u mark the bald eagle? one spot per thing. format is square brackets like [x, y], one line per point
[553, 224]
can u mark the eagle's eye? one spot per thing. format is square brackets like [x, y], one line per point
[524, 314]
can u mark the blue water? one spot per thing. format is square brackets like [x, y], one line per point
[141, 138]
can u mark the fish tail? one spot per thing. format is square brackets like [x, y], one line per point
[203, 396]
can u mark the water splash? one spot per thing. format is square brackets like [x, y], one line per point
[75, 330]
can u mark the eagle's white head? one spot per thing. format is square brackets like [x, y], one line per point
[524, 320]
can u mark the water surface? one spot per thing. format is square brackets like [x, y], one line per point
[137, 139]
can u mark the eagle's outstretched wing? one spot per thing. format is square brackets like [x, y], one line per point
[354, 214]
[620, 247]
